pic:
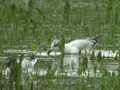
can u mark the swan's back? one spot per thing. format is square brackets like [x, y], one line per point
[81, 43]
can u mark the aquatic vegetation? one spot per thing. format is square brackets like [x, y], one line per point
[30, 25]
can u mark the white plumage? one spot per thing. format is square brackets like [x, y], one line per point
[74, 46]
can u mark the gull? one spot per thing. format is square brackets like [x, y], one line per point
[75, 46]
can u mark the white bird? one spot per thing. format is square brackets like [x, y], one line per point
[76, 45]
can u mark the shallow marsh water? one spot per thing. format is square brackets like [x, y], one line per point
[70, 71]
[31, 25]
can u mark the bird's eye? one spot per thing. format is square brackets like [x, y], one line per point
[56, 44]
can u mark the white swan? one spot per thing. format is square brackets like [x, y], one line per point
[76, 45]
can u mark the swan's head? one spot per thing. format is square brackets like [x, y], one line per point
[55, 45]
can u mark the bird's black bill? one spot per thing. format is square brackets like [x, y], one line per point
[49, 51]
